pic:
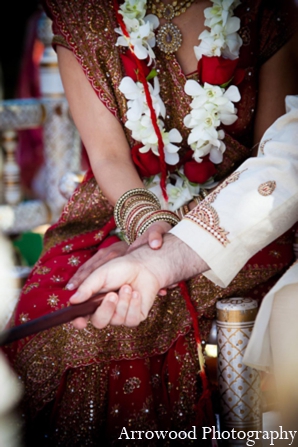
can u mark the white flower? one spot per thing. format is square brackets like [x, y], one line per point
[140, 29]
[178, 188]
[140, 123]
[133, 9]
[222, 39]
[178, 194]
[153, 184]
[150, 142]
[219, 12]
[209, 46]
[211, 106]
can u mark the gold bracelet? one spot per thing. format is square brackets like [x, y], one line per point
[197, 200]
[204, 193]
[161, 215]
[142, 192]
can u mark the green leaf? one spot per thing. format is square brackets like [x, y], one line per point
[152, 74]
[226, 83]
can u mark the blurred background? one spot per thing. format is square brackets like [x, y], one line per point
[15, 19]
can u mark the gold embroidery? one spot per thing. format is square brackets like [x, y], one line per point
[131, 384]
[115, 410]
[262, 145]
[59, 40]
[115, 372]
[24, 318]
[53, 300]
[67, 248]
[56, 278]
[42, 270]
[29, 287]
[206, 216]
[275, 253]
[156, 381]
[86, 211]
[74, 261]
[99, 236]
[267, 188]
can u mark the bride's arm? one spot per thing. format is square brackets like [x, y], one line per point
[101, 133]
[108, 151]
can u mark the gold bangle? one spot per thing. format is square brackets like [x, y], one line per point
[197, 200]
[185, 209]
[204, 193]
[161, 215]
[143, 192]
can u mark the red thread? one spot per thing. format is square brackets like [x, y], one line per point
[153, 116]
[204, 406]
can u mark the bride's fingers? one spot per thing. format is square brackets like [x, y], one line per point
[124, 297]
[104, 313]
[155, 240]
[134, 317]
[162, 292]
[81, 322]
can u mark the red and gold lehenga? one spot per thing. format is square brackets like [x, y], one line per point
[83, 387]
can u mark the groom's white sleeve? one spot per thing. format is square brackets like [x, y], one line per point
[254, 206]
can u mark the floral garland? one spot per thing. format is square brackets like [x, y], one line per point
[212, 100]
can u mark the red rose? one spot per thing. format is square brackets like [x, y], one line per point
[130, 66]
[199, 172]
[147, 164]
[218, 71]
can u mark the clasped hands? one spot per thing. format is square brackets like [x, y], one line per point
[132, 270]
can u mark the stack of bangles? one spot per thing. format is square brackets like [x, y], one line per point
[136, 210]
[184, 209]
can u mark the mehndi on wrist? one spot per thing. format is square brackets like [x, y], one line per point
[136, 210]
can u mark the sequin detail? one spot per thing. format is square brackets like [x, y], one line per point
[24, 318]
[53, 300]
[74, 261]
[131, 384]
[42, 270]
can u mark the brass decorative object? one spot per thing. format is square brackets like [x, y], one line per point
[239, 385]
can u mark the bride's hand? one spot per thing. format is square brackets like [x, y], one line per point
[101, 257]
[153, 236]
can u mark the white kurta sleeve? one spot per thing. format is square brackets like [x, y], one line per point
[254, 206]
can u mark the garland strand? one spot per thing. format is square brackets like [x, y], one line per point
[153, 116]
